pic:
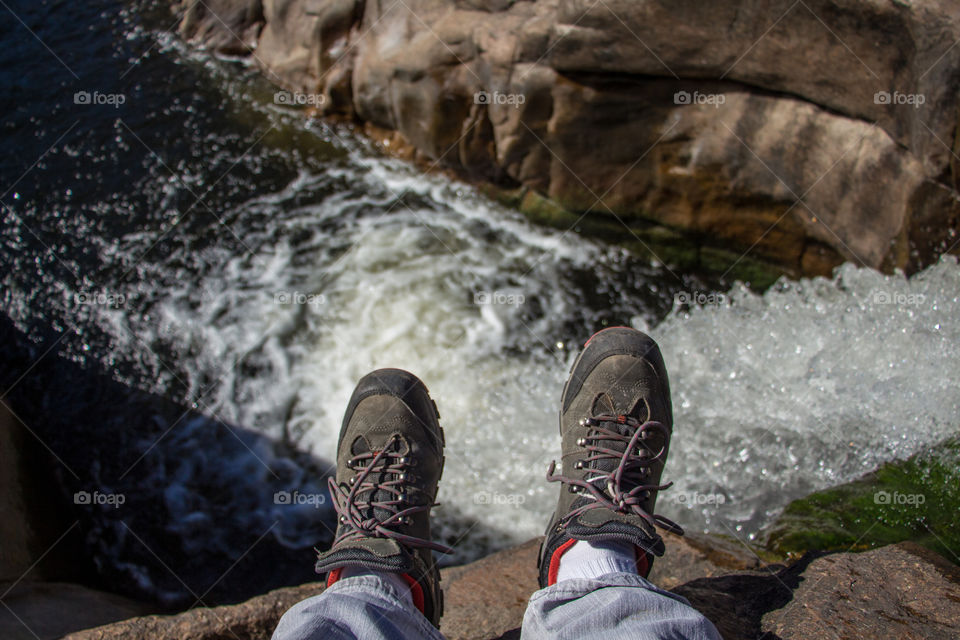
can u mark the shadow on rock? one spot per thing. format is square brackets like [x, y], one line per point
[736, 603]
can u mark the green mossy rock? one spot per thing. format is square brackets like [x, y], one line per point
[917, 499]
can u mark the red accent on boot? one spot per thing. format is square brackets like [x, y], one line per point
[555, 561]
[334, 576]
[416, 591]
[643, 562]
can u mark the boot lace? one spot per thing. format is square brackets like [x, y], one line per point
[384, 477]
[623, 489]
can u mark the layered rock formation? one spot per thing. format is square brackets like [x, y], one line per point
[804, 133]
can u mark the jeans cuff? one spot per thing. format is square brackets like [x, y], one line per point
[371, 586]
[581, 586]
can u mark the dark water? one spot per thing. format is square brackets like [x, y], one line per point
[129, 191]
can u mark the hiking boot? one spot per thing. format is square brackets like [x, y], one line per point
[389, 461]
[615, 424]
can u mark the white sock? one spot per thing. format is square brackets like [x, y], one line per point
[395, 580]
[591, 560]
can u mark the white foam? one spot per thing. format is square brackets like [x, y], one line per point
[811, 384]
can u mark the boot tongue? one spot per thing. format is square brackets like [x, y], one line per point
[619, 404]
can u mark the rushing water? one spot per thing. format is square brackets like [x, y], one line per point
[213, 249]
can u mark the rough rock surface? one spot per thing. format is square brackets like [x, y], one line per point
[898, 591]
[806, 132]
[254, 619]
[487, 598]
[484, 599]
[695, 556]
[901, 591]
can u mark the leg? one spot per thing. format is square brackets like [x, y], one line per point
[616, 422]
[382, 579]
[612, 606]
[367, 606]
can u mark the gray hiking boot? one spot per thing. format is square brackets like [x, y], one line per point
[389, 462]
[615, 424]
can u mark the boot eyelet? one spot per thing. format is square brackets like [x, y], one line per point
[581, 442]
[343, 519]
[353, 480]
[578, 464]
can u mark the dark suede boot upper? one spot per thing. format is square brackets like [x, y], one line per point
[389, 462]
[615, 424]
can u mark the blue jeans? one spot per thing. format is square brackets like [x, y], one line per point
[616, 605]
